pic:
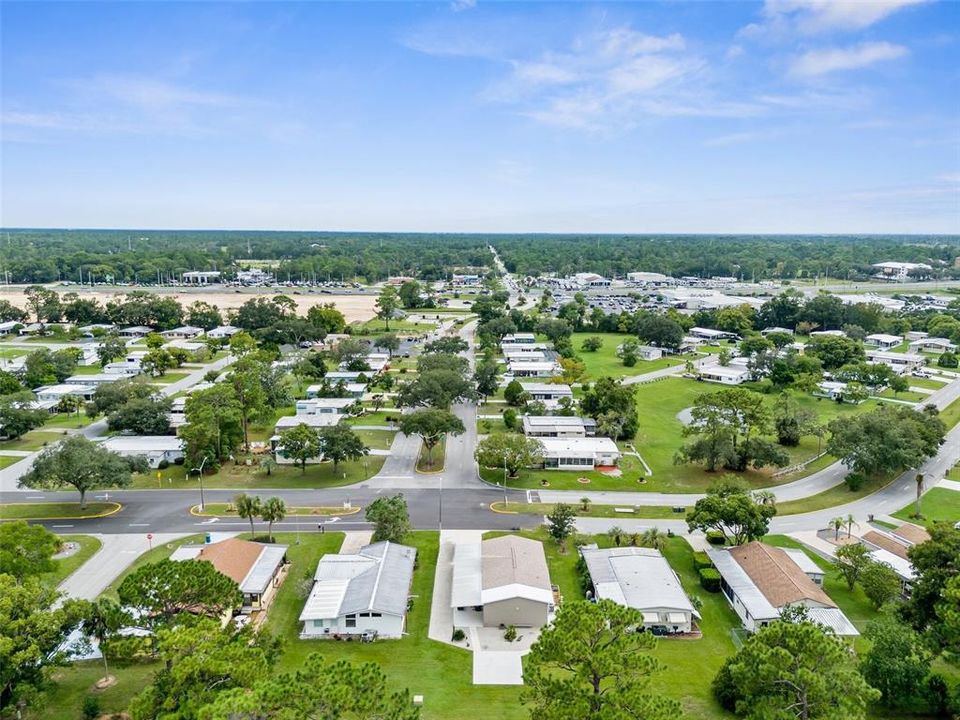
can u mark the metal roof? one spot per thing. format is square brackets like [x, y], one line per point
[640, 578]
[466, 589]
[263, 570]
[376, 579]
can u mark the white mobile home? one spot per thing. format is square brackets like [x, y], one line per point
[642, 579]
[547, 393]
[711, 334]
[901, 362]
[185, 332]
[934, 345]
[532, 368]
[155, 448]
[558, 426]
[367, 592]
[730, 375]
[882, 341]
[519, 339]
[573, 453]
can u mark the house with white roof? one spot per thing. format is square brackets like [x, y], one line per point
[575, 453]
[547, 393]
[155, 448]
[711, 334]
[224, 331]
[254, 567]
[134, 331]
[324, 406]
[501, 581]
[934, 345]
[541, 426]
[883, 341]
[184, 332]
[521, 367]
[509, 349]
[9, 326]
[519, 339]
[729, 375]
[891, 547]
[56, 393]
[365, 592]
[103, 378]
[761, 581]
[828, 333]
[901, 362]
[642, 579]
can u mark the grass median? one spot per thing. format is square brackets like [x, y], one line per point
[54, 511]
[598, 511]
[228, 510]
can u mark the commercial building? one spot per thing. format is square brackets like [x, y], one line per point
[363, 593]
[200, 277]
[761, 581]
[642, 579]
[901, 271]
[502, 581]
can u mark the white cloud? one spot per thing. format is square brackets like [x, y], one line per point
[817, 16]
[828, 60]
[149, 93]
[461, 5]
[609, 79]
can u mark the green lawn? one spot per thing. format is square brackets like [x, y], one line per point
[7, 460]
[241, 476]
[438, 457]
[228, 510]
[939, 504]
[12, 352]
[570, 479]
[33, 440]
[926, 383]
[378, 327]
[660, 435]
[68, 420]
[36, 511]
[909, 395]
[951, 414]
[72, 683]
[373, 418]
[837, 495]
[379, 439]
[168, 378]
[440, 672]
[604, 362]
[604, 511]
[65, 566]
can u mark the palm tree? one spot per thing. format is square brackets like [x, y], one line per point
[616, 534]
[105, 618]
[765, 497]
[850, 521]
[919, 493]
[273, 510]
[654, 538]
[585, 504]
[268, 463]
[837, 523]
[248, 506]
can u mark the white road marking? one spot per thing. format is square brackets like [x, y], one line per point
[34, 497]
[139, 525]
[62, 526]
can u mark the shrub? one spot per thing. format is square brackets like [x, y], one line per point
[510, 634]
[510, 418]
[715, 537]
[724, 689]
[701, 560]
[710, 580]
[90, 708]
[459, 635]
[163, 464]
[855, 481]
[178, 461]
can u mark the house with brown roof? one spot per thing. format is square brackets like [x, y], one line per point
[760, 581]
[502, 581]
[913, 534]
[891, 548]
[254, 567]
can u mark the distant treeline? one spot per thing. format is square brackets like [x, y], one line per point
[749, 257]
[151, 256]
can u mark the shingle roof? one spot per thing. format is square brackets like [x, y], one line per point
[780, 580]
[886, 542]
[511, 560]
[250, 565]
[913, 534]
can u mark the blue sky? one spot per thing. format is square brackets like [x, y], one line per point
[778, 116]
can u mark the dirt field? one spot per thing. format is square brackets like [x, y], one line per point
[354, 307]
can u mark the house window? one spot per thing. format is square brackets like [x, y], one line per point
[351, 621]
[366, 614]
[375, 615]
[318, 623]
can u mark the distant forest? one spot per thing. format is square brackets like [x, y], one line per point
[151, 256]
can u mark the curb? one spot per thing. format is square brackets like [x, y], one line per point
[194, 510]
[117, 507]
[503, 512]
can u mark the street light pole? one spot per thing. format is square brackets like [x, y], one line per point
[504, 482]
[200, 478]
